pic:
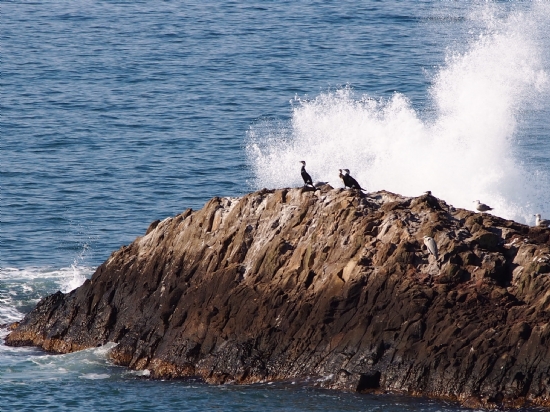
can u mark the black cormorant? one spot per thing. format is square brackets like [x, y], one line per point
[348, 180]
[305, 175]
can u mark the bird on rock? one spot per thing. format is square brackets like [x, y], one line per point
[348, 180]
[541, 222]
[482, 207]
[431, 245]
[305, 175]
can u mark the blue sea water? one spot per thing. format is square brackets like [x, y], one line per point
[116, 113]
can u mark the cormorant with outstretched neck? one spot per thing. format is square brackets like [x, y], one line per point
[348, 180]
[305, 175]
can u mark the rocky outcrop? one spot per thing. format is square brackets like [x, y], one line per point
[292, 283]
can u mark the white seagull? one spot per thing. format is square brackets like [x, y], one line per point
[541, 222]
[431, 245]
[482, 207]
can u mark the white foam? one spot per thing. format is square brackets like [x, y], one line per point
[24, 287]
[466, 151]
[33, 364]
[95, 376]
[141, 373]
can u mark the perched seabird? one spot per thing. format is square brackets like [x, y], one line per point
[428, 192]
[305, 175]
[431, 245]
[482, 207]
[541, 222]
[348, 180]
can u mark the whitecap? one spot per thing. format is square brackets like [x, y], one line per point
[22, 288]
[95, 376]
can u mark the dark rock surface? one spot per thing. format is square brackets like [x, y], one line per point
[295, 283]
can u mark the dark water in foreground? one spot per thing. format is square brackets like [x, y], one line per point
[117, 113]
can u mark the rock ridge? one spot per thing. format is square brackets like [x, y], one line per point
[328, 284]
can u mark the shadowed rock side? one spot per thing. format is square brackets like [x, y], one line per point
[296, 283]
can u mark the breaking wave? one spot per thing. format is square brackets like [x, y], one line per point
[469, 148]
[21, 289]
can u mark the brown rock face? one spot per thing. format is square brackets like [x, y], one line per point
[291, 283]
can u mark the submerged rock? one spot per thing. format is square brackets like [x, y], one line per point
[294, 283]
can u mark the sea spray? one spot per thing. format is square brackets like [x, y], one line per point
[466, 149]
[23, 288]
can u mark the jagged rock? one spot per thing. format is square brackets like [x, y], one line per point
[295, 283]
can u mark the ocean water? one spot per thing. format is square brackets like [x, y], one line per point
[116, 113]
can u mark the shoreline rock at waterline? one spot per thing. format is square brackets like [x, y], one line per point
[295, 283]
